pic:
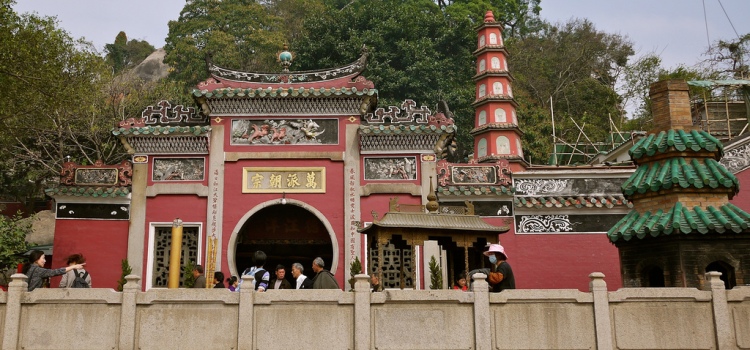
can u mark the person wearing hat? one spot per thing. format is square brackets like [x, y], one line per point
[501, 275]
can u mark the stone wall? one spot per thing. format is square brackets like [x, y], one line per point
[634, 318]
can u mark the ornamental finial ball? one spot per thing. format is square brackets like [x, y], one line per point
[285, 56]
[489, 17]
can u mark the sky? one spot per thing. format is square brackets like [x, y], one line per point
[673, 29]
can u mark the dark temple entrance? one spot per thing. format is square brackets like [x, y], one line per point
[287, 234]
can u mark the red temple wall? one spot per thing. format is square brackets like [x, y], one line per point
[104, 244]
[165, 208]
[742, 199]
[560, 261]
[330, 204]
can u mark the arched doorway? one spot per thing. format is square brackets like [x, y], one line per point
[287, 233]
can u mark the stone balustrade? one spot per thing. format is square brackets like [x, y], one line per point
[632, 318]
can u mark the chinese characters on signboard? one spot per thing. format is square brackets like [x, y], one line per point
[284, 179]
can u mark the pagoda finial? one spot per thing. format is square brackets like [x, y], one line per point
[285, 58]
[489, 17]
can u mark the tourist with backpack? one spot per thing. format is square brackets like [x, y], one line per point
[76, 277]
[261, 277]
[36, 272]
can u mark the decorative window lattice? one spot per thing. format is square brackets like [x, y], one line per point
[162, 249]
[286, 106]
[396, 262]
[170, 144]
[418, 142]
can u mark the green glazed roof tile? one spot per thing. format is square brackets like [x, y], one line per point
[677, 172]
[476, 190]
[406, 129]
[162, 130]
[680, 220]
[282, 92]
[88, 191]
[588, 201]
[680, 140]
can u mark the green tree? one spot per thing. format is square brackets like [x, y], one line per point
[188, 280]
[575, 67]
[436, 274]
[237, 34]
[59, 104]
[354, 269]
[126, 270]
[13, 232]
[124, 54]
[520, 17]
[417, 52]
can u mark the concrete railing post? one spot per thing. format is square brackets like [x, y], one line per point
[16, 288]
[246, 322]
[722, 322]
[361, 311]
[127, 311]
[602, 321]
[482, 324]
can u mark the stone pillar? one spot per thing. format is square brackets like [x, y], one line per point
[137, 230]
[352, 240]
[362, 311]
[670, 105]
[12, 328]
[602, 322]
[246, 322]
[482, 314]
[722, 321]
[128, 312]
[215, 205]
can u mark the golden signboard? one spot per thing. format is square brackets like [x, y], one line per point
[284, 180]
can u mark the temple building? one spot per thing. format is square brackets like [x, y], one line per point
[302, 164]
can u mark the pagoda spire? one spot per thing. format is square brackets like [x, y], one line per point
[496, 132]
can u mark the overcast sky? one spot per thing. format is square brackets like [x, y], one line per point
[674, 29]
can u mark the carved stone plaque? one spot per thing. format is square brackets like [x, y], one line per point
[391, 168]
[178, 169]
[89, 176]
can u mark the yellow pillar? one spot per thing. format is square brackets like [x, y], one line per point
[174, 255]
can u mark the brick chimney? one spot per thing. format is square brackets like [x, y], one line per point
[670, 106]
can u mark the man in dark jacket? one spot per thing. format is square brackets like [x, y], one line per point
[280, 282]
[323, 278]
[200, 280]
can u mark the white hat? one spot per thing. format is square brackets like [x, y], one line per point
[496, 248]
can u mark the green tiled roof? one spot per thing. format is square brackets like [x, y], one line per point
[162, 130]
[680, 219]
[406, 129]
[283, 92]
[587, 201]
[88, 191]
[681, 140]
[657, 176]
[476, 190]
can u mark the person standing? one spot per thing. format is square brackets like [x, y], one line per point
[323, 278]
[301, 281]
[219, 279]
[280, 282]
[232, 283]
[200, 280]
[461, 283]
[36, 272]
[501, 275]
[261, 277]
[70, 276]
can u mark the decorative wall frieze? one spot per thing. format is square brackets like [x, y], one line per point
[401, 143]
[565, 223]
[540, 186]
[64, 210]
[736, 159]
[285, 132]
[98, 174]
[544, 223]
[497, 174]
[390, 168]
